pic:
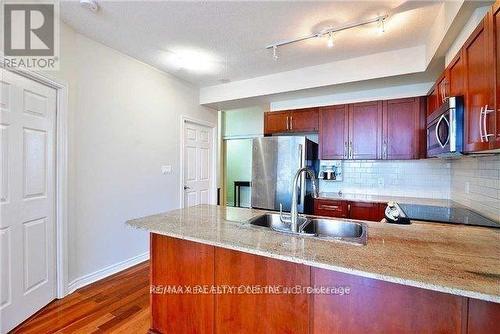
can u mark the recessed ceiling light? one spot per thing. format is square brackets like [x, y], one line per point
[91, 5]
[192, 60]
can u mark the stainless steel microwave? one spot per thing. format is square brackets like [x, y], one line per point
[445, 129]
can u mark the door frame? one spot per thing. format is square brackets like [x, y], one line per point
[61, 172]
[213, 187]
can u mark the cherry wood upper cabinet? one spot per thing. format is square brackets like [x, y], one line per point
[432, 100]
[276, 122]
[494, 19]
[365, 130]
[260, 313]
[299, 120]
[456, 76]
[442, 89]
[403, 124]
[479, 86]
[333, 132]
[381, 307]
[304, 120]
[176, 262]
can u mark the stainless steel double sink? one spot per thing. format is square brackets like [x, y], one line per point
[322, 228]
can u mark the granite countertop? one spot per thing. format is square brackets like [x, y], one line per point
[455, 259]
[384, 199]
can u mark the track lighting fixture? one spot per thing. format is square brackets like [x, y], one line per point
[380, 20]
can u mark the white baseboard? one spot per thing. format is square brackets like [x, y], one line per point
[105, 272]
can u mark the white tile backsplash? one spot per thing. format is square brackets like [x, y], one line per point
[472, 181]
[475, 182]
[413, 178]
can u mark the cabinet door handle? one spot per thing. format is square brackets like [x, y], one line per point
[348, 207]
[481, 124]
[384, 150]
[329, 207]
[485, 123]
[287, 123]
[291, 122]
[350, 150]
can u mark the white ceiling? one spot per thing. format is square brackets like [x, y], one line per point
[233, 35]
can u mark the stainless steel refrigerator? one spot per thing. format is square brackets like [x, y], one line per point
[275, 160]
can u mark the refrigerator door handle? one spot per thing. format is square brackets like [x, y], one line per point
[302, 179]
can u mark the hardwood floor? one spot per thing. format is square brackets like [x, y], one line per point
[116, 304]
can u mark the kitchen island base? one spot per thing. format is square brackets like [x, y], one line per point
[198, 288]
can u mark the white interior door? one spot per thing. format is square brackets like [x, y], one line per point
[197, 164]
[27, 203]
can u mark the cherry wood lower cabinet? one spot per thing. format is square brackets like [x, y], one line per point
[484, 317]
[367, 211]
[176, 262]
[349, 209]
[331, 208]
[260, 313]
[374, 306]
[370, 306]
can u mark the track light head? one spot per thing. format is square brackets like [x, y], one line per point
[330, 43]
[275, 53]
[381, 25]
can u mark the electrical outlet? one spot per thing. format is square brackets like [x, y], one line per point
[166, 169]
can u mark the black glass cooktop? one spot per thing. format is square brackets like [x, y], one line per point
[450, 215]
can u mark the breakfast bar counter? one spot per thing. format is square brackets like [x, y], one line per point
[454, 259]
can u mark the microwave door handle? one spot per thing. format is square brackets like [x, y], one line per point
[437, 131]
[449, 130]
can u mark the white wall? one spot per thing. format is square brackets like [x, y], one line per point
[243, 122]
[390, 63]
[353, 96]
[124, 123]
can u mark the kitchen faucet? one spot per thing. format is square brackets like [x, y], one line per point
[294, 216]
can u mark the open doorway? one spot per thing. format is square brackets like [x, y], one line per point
[238, 171]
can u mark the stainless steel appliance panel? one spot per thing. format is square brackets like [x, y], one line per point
[445, 129]
[274, 163]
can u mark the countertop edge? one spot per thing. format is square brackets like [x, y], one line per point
[386, 278]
